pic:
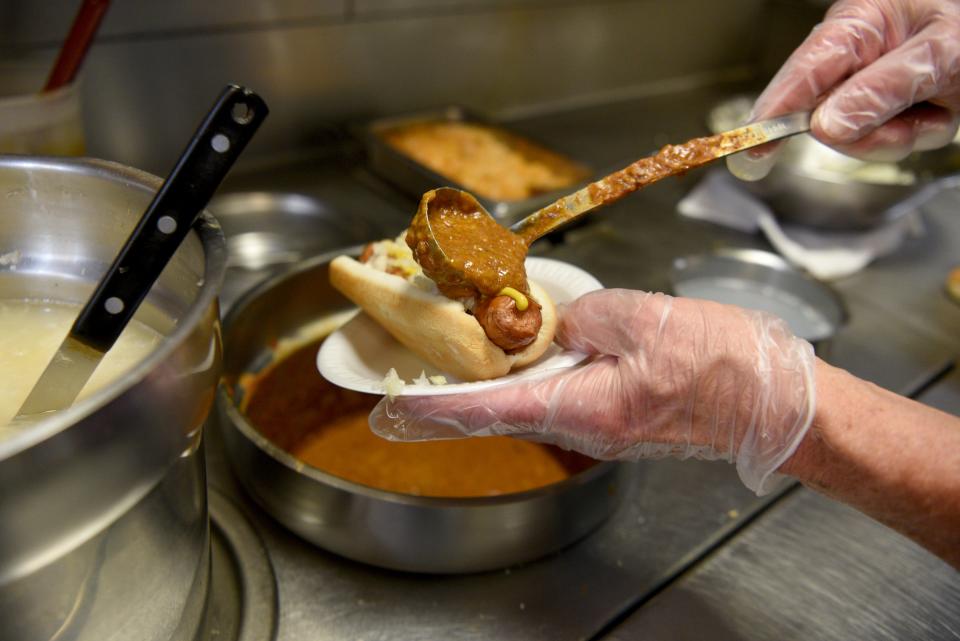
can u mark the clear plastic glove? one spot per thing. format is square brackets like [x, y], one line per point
[668, 377]
[886, 77]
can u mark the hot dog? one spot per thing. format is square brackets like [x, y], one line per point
[505, 324]
[472, 338]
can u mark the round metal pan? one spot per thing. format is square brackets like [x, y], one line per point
[387, 529]
[763, 281]
[268, 232]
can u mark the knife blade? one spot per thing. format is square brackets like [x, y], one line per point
[64, 377]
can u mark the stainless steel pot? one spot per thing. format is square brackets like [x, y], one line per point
[103, 506]
[815, 186]
[387, 529]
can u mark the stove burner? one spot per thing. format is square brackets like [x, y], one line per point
[242, 602]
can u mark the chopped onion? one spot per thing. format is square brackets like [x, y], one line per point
[392, 384]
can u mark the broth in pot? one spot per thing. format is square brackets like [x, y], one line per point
[30, 333]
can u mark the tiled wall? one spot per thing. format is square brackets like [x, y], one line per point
[158, 64]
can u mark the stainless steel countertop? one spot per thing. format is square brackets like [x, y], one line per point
[809, 568]
[859, 579]
[676, 514]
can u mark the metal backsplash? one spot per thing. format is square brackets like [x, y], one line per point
[157, 66]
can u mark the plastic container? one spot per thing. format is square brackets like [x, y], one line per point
[34, 123]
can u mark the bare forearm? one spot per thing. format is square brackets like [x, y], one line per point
[894, 459]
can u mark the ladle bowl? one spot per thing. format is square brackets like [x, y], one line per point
[436, 262]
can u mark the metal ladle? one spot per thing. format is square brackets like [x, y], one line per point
[459, 267]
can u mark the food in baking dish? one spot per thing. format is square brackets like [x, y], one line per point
[486, 160]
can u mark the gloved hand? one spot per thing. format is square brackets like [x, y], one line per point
[668, 376]
[886, 77]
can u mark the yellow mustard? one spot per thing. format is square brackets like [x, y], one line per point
[518, 298]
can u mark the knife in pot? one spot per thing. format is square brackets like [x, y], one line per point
[211, 152]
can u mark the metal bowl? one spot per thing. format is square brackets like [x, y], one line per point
[763, 281]
[841, 194]
[387, 529]
[813, 185]
[103, 505]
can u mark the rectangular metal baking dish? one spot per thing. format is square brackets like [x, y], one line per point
[415, 179]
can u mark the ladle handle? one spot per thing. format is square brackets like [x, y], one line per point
[671, 161]
[217, 143]
[559, 213]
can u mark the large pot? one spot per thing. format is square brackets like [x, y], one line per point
[383, 528]
[103, 506]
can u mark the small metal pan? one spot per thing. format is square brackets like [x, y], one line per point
[761, 280]
[269, 231]
[415, 179]
[387, 529]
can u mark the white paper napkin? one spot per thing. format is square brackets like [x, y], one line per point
[827, 255]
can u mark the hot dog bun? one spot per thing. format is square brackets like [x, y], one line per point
[436, 328]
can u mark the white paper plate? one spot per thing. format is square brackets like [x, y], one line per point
[358, 355]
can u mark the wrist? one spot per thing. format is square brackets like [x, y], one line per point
[783, 404]
[892, 458]
[836, 390]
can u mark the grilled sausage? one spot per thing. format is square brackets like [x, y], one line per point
[506, 326]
